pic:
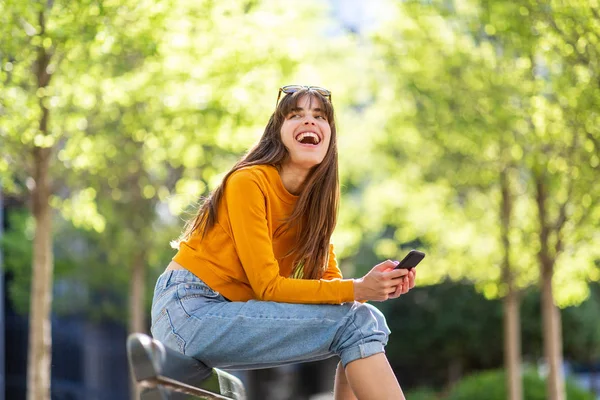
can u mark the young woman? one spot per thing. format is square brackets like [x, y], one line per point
[255, 282]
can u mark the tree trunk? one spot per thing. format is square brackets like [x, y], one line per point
[512, 320]
[40, 328]
[137, 311]
[137, 320]
[137, 287]
[551, 321]
[512, 346]
[552, 338]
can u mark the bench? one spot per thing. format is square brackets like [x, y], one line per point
[162, 373]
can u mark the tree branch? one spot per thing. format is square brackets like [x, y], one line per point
[562, 214]
[544, 233]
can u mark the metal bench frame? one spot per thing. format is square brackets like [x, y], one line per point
[164, 374]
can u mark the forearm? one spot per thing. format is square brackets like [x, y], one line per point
[303, 291]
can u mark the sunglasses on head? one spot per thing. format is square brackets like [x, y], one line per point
[289, 89]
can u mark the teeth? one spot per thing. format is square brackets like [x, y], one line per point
[301, 136]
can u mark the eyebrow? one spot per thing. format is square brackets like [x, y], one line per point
[296, 109]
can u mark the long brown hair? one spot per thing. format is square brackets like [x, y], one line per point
[316, 210]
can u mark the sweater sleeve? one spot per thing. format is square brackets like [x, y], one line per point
[246, 205]
[333, 271]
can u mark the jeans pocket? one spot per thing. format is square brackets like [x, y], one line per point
[196, 289]
[194, 296]
[162, 329]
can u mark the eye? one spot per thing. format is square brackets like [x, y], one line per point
[321, 117]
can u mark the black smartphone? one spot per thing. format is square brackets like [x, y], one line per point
[411, 260]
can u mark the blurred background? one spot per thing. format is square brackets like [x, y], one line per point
[469, 129]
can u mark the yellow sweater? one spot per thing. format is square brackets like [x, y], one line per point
[242, 260]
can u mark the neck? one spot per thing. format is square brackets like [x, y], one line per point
[293, 178]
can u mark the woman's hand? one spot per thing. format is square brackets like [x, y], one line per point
[383, 282]
[408, 282]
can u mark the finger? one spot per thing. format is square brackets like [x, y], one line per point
[411, 283]
[411, 279]
[405, 287]
[386, 265]
[395, 281]
[396, 273]
[395, 284]
[393, 294]
[397, 292]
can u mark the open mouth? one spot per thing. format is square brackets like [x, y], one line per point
[308, 138]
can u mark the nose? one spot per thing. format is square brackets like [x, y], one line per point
[309, 120]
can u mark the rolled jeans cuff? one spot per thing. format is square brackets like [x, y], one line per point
[361, 351]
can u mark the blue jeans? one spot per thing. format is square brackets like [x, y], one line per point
[193, 319]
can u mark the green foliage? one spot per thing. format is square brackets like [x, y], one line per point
[581, 339]
[421, 394]
[490, 385]
[149, 103]
[473, 89]
[76, 289]
[16, 250]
